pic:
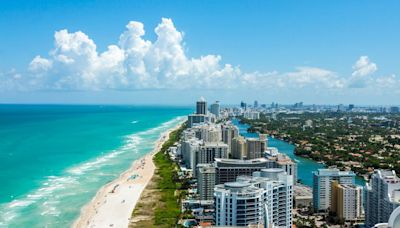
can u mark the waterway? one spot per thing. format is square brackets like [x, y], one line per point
[305, 166]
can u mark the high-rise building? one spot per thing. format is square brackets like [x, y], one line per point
[265, 197]
[382, 197]
[251, 115]
[201, 106]
[346, 201]
[394, 109]
[298, 105]
[279, 194]
[188, 133]
[195, 119]
[322, 179]
[208, 132]
[255, 147]
[243, 105]
[211, 150]
[189, 150]
[227, 170]
[394, 220]
[206, 181]
[238, 204]
[284, 162]
[249, 148]
[229, 132]
[255, 104]
[239, 147]
[215, 109]
[200, 116]
[341, 108]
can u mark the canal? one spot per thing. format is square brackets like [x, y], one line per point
[305, 166]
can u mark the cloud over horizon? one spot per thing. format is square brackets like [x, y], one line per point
[134, 63]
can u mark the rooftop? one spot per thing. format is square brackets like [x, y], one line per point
[239, 161]
[237, 184]
[333, 172]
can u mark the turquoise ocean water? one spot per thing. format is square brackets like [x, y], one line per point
[54, 158]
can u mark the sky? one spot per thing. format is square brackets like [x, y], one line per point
[173, 52]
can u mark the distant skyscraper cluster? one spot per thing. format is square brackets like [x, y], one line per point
[241, 181]
[246, 184]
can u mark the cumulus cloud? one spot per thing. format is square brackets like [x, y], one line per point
[364, 66]
[135, 63]
[40, 64]
[362, 70]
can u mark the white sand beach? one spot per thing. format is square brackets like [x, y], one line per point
[113, 204]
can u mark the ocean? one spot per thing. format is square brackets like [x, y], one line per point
[54, 158]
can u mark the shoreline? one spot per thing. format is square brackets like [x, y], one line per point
[114, 202]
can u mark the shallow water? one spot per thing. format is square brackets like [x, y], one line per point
[54, 158]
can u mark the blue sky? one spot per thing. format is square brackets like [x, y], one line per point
[312, 45]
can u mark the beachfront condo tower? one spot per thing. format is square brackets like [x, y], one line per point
[253, 200]
[238, 204]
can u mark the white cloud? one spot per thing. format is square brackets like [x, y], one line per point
[40, 64]
[388, 82]
[11, 80]
[302, 77]
[362, 71]
[136, 63]
[364, 67]
[306, 76]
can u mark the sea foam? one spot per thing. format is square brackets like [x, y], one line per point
[50, 198]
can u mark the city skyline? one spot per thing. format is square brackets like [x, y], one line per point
[152, 53]
[238, 166]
